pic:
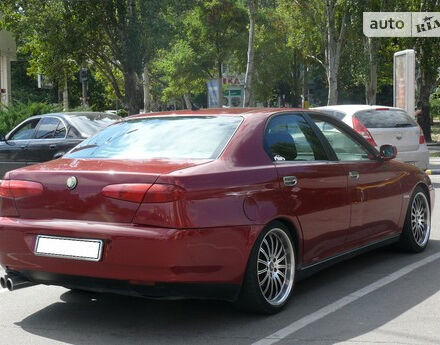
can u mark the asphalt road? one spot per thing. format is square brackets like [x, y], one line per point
[382, 297]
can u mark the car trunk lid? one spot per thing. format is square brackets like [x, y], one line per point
[85, 201]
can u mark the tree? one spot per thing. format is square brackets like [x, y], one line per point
[322, 27]
[248, 96]
[214, 29]
[44, 33]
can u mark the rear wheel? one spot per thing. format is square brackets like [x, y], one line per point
[270, 274]
[417, 227]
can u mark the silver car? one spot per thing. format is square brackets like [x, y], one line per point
[385, 125]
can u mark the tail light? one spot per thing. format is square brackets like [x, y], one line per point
[133, 192]
[421, 137]
[147, 193]
[159, 203]
[17, 189]
[164, 193]
[362, 130]
[10, 190]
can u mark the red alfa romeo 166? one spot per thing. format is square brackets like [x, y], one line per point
[230, 204]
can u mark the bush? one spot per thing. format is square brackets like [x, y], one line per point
[13, 115]
[434, 102]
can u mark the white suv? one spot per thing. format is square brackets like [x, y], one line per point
[385, 125]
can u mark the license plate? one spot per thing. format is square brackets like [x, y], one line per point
[69, 248]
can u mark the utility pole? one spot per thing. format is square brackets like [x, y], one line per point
[83, 76]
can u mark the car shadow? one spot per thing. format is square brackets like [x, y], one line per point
[90, 318]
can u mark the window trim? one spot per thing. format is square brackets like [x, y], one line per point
[315, 129]
[343, 127]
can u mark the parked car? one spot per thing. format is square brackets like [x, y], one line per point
[45, 137]
[381, 125]
[233, 204]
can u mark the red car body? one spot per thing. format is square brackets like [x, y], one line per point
[198, 243]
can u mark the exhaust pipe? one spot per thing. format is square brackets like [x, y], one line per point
[3, 282]
[16, 282]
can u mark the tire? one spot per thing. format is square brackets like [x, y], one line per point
[417, 227]
[273, 256]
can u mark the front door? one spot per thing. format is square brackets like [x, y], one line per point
[373, 185]
[315, 187]
[13, 151]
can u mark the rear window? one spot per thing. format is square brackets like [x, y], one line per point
[385, 119]
[88, 124]
[162, 138]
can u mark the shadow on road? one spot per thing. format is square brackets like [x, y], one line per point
[89, 318]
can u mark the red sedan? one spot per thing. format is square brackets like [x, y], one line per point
[231, 204]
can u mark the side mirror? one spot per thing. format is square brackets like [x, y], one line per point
[388, 152]
[58, 155]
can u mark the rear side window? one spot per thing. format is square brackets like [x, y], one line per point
[290, 138]
[177, 137]
[385, 119]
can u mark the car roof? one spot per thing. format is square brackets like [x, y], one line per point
[219, 112]
[351, 109]
[77, 113]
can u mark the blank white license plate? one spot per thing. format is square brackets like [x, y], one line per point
[69, 248]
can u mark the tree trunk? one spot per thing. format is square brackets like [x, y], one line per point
[248, 96]
[220, 84]
[296, 80]
[65, 95]
[130, 82]
[305, 91]
[333, 51]
[425, 119]
[371, 78]
[146, 85]
[187, 98]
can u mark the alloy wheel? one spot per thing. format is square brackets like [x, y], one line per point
[276, 266]
[420, 219]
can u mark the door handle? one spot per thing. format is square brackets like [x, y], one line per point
[354, 175]
[290, 181]
[53, 146]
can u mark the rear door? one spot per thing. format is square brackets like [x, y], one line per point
[391, 126]
[373, 185]
[13, 151]
[314, 187]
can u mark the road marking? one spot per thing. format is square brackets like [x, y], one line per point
[321, 313]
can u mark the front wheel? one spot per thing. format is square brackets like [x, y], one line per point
[270, 274]
[417, 227]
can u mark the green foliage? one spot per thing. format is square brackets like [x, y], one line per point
[434, 102]
[13, 115]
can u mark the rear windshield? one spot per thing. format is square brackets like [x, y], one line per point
[385, 119]
[161, 137]
[90, 124]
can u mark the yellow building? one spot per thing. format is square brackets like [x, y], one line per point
[7, 54]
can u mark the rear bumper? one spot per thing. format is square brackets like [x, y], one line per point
[419, 158]
[141, 258]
